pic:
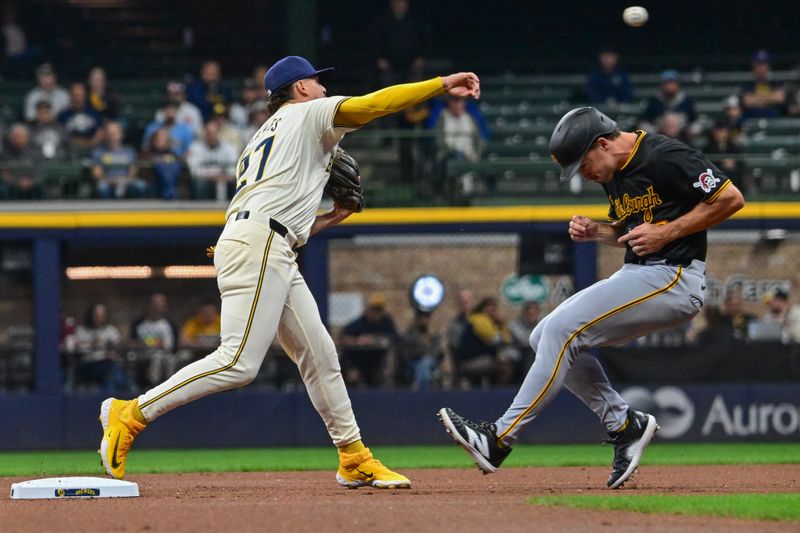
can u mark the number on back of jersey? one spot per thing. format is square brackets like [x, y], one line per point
[261, 151]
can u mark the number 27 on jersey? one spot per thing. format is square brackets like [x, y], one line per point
[261, 151]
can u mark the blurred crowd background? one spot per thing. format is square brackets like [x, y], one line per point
[141, 99]
[153, 101]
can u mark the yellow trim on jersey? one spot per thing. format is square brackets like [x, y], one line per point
[714, 196]
[573, 336]
[214, 217]
[633, 151]
[357, 111]
[336, 110]
[244, 337]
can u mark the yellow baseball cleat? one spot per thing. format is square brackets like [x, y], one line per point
[361, 469]
[119, 429]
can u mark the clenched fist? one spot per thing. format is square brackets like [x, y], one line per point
[582, 229]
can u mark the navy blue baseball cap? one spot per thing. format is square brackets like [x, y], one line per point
[289, 70]
[761, 56]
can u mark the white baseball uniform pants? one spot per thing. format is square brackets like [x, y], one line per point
[262, 294]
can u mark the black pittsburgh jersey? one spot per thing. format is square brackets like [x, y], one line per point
[662, 180]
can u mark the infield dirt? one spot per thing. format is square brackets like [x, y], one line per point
[441, 500]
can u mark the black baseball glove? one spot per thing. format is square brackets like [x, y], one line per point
[344, 184]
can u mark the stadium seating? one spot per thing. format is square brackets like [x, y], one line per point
[521, 112]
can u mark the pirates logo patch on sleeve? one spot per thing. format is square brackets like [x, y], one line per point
[706, 181]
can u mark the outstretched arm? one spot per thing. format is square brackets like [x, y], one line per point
[357, 111]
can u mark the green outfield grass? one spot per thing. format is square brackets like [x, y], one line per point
[776, 506]
[47, 463]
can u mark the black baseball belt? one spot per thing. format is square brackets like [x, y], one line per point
[274, 225]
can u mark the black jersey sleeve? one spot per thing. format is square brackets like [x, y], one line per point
[689, 172]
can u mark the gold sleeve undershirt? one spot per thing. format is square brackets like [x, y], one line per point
[357, 111]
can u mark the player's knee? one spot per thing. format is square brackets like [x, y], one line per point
[244, 374]
[533, 339]
[557, 327]
[239, 370]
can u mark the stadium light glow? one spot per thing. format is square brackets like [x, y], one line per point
[109, 272]
[85, 273]
[189, 271]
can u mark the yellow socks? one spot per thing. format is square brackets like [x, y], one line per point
[353, 447]
[137, 413]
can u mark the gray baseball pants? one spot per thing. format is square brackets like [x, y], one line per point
[634, 301]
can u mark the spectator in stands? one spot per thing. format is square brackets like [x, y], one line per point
[114, 167]
[187, 112]
[258, 115]
[400, 42]
[671, 125]
[67, 344]
[459, 323]
[458, 138]
[212, 165]
[228, 131]
[734, 318]
[521, 329]
[154, 336]
[20, 167]
[413, 154]
[422, 351]
[485, 352]
[165, 164]
[608, 82]
[83, 124]
[16, 43]
[209, 89]
[201, 332]
[726, 324]
[96, 358]
[181, 135]
[522, 326]
[457, 134]
[48, 135]
[251, 97]
[102, 99]
[259, 71]
[721, 143]
[47, 89]
[670, 98]
[762, 97]
[365, 344]
[780, 323]
[793, 95]
[733, 119]
[712, 331]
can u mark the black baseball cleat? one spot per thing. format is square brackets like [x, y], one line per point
[478, 440]
[629, 444]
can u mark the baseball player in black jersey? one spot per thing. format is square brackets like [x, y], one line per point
[664, 195]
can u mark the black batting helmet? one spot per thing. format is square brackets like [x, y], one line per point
[574, 135]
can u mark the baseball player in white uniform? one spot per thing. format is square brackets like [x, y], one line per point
[281, 175]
